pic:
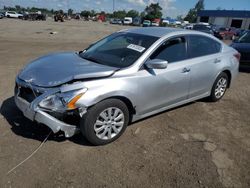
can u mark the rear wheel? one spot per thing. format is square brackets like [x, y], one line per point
[219, 87]
[105, 122]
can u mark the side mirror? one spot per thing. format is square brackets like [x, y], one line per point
[156, 64]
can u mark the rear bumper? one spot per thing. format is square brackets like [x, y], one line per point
[42, 117]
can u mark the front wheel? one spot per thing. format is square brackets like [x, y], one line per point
[219, 88]
[105, 122]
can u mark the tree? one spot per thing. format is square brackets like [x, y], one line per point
[102, 13]
[192, 14]
[18, 8]
[179, 18]
[199, 5]
[70, 11]
[92, 13]
[143, 14]
[132, 13]
[153, 11]
[86, 13]
[120, 14]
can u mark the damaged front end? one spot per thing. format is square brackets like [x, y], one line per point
[52, 107]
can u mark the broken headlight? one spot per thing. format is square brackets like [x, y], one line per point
[62, 101]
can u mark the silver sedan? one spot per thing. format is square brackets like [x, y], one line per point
[122, 78]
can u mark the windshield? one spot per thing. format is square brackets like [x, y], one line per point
[119, 50]
[245, 38]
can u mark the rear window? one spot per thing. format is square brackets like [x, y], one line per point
[200, 46]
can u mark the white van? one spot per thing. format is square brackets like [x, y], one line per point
[128, 21]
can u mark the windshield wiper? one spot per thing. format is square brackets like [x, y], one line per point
[91, 59]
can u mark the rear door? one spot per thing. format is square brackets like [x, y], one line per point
[205, 59]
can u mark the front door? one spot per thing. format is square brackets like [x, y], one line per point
[163, 87]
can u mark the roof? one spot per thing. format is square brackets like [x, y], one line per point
[153, 31]
[225, 13]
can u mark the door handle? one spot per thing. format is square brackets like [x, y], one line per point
[185, 70]
[217, 61]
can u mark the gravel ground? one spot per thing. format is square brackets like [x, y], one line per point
[201, 144]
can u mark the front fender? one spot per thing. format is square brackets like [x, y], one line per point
[103, 89]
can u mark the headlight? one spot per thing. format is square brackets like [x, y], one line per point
[52, 102]
[62, 101]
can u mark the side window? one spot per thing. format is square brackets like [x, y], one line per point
[200, 46]
[172, 50]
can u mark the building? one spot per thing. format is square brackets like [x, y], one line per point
[226, 18]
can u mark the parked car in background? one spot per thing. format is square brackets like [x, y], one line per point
[242, 45]
[224, 33]
[177, 23]
[101, 17]
[125, 77]
[188, 26]
[115, 21]
[240, 32]
[128, 21]
[155, 24]
[137, 21]
[77, 16]
[203, 28]
[1, 15]
[165, 22]
[13, 14]
[59, 16]
[146, 23]
[34, 16]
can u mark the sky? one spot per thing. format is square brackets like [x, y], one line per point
[171, 8]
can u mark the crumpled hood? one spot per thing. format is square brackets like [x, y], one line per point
[56, 69]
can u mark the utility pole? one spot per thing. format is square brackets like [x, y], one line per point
[113, 5]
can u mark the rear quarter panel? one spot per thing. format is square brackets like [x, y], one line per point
[230, 62]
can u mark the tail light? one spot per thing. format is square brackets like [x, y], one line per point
[237, 56]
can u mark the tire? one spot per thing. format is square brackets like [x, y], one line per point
[109, 129]
[219, 87]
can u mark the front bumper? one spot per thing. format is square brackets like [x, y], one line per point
[36, 114]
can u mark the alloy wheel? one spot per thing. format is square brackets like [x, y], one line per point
[109, 123]
[220, 87]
